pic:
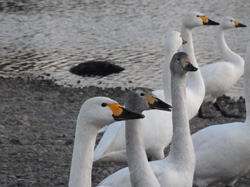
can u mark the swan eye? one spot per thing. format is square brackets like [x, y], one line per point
[142, 94]
[197, 16]
[104, 104]
[178, 59]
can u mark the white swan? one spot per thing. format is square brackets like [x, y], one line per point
[223, 151]
[142, 175]
[88, 124]
[177, 169]
[220, 76]
[112, 144]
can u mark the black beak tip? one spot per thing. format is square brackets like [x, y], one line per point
[241, 25]
[211, 22]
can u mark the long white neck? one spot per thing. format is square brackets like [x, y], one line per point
[181, 150]
[82, 159]
[195, 80]
[169, 52]
[141, 174]
[228, 54]
[247, 84]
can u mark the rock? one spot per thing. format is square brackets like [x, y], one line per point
[208, 110]
[93, 68]
[231, 108]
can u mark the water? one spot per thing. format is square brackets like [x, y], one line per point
[48, 37]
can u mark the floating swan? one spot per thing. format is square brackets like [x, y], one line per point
[220, 76]
[88, 124]
[177, 169]
[141, 173]
[223, 151]
[112, 144]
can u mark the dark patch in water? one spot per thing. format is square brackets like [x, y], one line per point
[93, 67]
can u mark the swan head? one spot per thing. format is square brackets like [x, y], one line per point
[174, 41]
[229, 22]
[102, 111]
[140, 99]
[181, 64]
[195, 19]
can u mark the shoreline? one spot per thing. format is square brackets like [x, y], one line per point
[37, 131]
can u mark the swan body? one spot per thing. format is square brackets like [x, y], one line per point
[88, 124]
[222, 151]
[220, 76]
[112, 144]
[177, 169]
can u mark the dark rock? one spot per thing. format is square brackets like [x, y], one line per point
[208, 110]
[69, 142]
[92, 68]
[15, 141]
[231, 108]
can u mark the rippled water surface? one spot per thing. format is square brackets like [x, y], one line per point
[48, 37]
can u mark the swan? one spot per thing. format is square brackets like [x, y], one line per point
[88, 124]
[220, 76]
[223, 151]
[112, 144]
[141, 174]
[177, 169]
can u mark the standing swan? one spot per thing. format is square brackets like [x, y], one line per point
[112, 144]
[195, 84]
[177, 169]
[138, 100]
[223, 151]
[220, 76]
[88, 124]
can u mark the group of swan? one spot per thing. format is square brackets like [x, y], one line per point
[219, 153]
[112, 145]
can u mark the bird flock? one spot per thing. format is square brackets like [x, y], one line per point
[152, 119]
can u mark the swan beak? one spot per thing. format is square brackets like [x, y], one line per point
[187, 65]
[156, 103]
[207, 21]
[121, 113]
[238, 24]
[184, 42]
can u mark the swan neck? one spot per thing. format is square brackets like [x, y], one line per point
[227, 53]
[195, 80]
[181, 150]
[83, 153]
[167, 75]
[141, 174]
[186, 34]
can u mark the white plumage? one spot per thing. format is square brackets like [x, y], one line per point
[220, 76]
[223, 151]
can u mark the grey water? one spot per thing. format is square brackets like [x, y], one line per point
[48, 37]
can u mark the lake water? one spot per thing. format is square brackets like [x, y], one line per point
[48, 37]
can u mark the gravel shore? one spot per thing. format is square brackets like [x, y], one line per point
[37, 129]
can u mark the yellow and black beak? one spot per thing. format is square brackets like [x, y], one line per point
[238, 24]
[156, 103]
[121, 113]
[207, 21]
